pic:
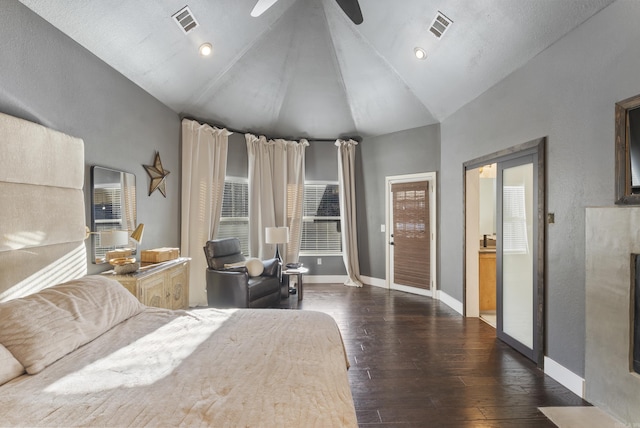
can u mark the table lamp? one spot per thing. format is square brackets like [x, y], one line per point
[277, 235]
[137, 233]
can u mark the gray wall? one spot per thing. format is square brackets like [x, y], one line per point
[237, 159]
[321, 161]
[566, 93]
[47, 78]
[407, 152]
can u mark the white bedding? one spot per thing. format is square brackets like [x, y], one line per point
[203, 367]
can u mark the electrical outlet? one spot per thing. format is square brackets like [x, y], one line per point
[382, 228]
[319, 261]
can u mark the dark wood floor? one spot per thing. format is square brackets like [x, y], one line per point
[417, 363]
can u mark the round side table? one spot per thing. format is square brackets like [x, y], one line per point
[297, 272]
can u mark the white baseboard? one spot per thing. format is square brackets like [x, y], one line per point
[340, 279]
[566, 377]
[450, 301]
[324, 279]
[375, 282]
[413, 290]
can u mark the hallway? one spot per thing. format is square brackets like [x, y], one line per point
[416, 363]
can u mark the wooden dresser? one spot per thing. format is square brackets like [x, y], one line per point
[163, 285]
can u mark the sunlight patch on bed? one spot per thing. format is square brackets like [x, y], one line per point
[143, 362]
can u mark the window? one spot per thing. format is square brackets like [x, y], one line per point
[321, 233]
[234, 220]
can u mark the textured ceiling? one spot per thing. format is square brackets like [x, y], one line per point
[303, 69]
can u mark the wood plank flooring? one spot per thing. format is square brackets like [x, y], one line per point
[417, 363]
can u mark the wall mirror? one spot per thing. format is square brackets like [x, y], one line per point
[628, 151]
[113, 213]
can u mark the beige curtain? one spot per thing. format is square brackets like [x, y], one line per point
[276, 192]
[204, 166]
[346, 180]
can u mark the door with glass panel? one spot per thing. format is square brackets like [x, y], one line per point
[516, 255]
[412, 234]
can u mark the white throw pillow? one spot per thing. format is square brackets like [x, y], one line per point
[254, 267]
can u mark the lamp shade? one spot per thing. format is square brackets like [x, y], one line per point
[276, 235]
[114, 238]
[137, 234]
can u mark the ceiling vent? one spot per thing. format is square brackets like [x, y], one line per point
[440, 25]
[185, 20]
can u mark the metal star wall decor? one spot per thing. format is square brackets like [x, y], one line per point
[157, 175]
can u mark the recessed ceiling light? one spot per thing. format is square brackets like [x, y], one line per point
[206, 49]
[420, 53]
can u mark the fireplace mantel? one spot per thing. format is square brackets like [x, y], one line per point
[612, 236]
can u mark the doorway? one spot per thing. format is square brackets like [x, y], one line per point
[410, 233]
[481, 229]
[518, 246]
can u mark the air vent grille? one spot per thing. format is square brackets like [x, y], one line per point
[440, 25]
[185, 20]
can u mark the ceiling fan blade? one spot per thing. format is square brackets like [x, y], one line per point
[261, 7]
[352, 9]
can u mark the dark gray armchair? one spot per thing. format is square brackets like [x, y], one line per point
[234, 287]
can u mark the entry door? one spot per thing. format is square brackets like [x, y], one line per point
[411, 236]
[516, 255]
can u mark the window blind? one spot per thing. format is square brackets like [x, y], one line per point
[107, 213]
[411, 234]
[107, 204]
[321, 233]
[234, 220]
[514, 227]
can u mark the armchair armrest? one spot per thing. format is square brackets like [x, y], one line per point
[227, 288]
[271, 267]
[239, 269]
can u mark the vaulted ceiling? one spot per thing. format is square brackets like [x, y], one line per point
[303, 69]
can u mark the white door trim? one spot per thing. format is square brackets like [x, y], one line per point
[408, 178]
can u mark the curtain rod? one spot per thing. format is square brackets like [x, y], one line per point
[238, 131]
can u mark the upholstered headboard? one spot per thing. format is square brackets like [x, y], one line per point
[42, 215]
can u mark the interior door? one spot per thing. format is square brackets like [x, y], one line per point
[410, 237]
[516, 255]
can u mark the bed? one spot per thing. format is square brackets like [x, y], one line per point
[80, 350]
